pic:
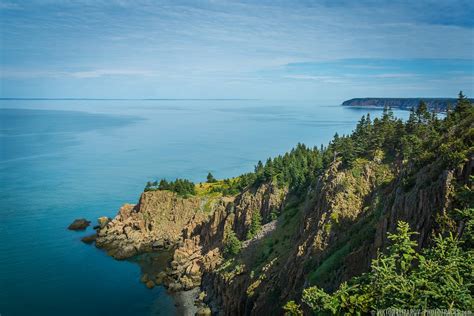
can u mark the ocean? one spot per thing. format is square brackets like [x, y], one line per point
[67, 159]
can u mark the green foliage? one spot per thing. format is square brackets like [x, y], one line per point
[421, 139]
[210, 178]
[292, 309]
[467, 217]
[296, 169]
[255, 225]
[182, 187]
[438, 278]
[232, 244]
[229, 186]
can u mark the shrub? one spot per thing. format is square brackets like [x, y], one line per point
[292, 309]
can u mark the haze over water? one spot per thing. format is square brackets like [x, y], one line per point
[62, 160]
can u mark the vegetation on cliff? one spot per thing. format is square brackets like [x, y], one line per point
[399, 155]
[182, 187]
[439, 277]
[314, 218]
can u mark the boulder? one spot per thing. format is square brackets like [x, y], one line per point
[150, 284]
[89, 239]
[144, 278]
[79, 224]
[159, 244]
[160, 277]
[103, 221]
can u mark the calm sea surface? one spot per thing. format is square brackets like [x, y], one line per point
[60, 160]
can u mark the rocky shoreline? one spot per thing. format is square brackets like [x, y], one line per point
[180, 242]
[176, 240]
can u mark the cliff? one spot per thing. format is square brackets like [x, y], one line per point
[333, 234]
[434, 104]
[310, 217]
[155, 222]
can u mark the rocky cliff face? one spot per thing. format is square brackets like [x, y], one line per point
[201, 250]
[193, 227]
[156, 222]
[325, 238]
[343, 224]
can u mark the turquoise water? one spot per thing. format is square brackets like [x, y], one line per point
[61, 160]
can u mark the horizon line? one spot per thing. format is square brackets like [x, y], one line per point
[131, 99]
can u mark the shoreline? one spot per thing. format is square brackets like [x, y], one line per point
[185, 302]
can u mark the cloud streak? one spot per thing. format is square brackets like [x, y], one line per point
[204, 45]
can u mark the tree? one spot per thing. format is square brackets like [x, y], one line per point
[164, 185]
[268, 171]
[422, 113]
[438, 278]
[232, 244]
[463, 104]
[210, 178]
[255, 225]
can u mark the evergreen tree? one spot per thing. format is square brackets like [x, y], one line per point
[438, 278]
[422, 113]
[232, 244]
[463, 104]
[210, 178]
[255, 225]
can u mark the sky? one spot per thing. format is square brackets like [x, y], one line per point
[296, 50]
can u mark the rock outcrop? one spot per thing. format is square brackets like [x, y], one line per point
[194, 227]
[201, 250]
[156, 222]
[79, 224]
[89, 239]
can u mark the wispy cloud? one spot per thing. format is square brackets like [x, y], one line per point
[203, 46]
[6, 5]
[396, 75]
[96, 73]
[111, 72]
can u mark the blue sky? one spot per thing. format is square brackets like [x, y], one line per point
[313, 50]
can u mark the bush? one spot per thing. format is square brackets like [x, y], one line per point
[292, 309]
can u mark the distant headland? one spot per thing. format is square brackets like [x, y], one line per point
[434, 104]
